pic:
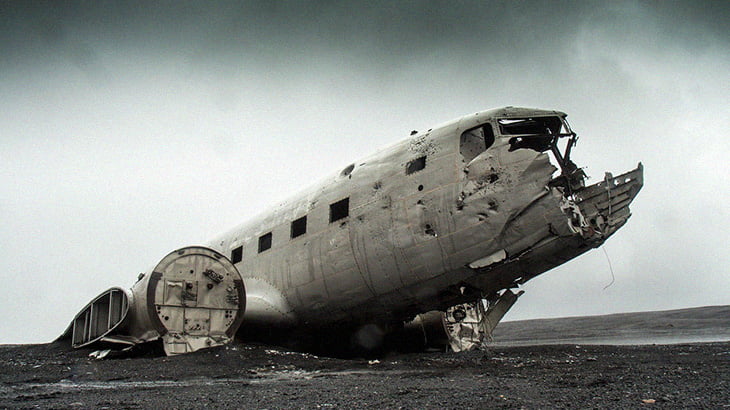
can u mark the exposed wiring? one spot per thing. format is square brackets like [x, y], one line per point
[613, 278]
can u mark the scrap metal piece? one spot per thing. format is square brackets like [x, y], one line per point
[496, 311]
[100, 354]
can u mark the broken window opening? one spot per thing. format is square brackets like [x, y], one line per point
[475, 141]
[532, 126]
[339, 209]
[299, 227]
[264, 242]
[536, 133]
[429, 230]
[237, 255]
[541, 134]
[416, 165]
[348, 170]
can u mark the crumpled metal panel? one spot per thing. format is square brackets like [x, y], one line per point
[605, 205]
[567, 236]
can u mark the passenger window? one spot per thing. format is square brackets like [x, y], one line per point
[299, 227]
[475, 141]
[237, 255]
[415, 165]
[264, 242]
[339, 209]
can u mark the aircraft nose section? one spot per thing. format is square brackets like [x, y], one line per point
[605, 206]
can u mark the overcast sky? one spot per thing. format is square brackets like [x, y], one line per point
[128, 130]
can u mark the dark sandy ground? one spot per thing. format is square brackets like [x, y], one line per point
[254, 376]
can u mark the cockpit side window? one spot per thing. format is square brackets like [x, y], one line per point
[476, 140]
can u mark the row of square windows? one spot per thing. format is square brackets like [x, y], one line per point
[338, 210]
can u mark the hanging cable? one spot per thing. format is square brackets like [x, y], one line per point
[613, 278]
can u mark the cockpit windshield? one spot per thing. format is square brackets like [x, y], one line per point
[528, 126]
[537, 133]
[542, 134]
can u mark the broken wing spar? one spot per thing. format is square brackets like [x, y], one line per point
[448, 220]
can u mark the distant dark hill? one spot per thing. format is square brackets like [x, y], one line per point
[710, 323]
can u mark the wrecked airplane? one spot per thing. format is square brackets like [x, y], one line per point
[448, 221]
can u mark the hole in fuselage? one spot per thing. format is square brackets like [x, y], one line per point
[345, 172]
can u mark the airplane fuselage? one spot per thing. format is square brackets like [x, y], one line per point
[459, 212]
[450, 219]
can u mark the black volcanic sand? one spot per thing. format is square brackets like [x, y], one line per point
[254, 376]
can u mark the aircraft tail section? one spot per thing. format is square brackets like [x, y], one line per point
[193, 299]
